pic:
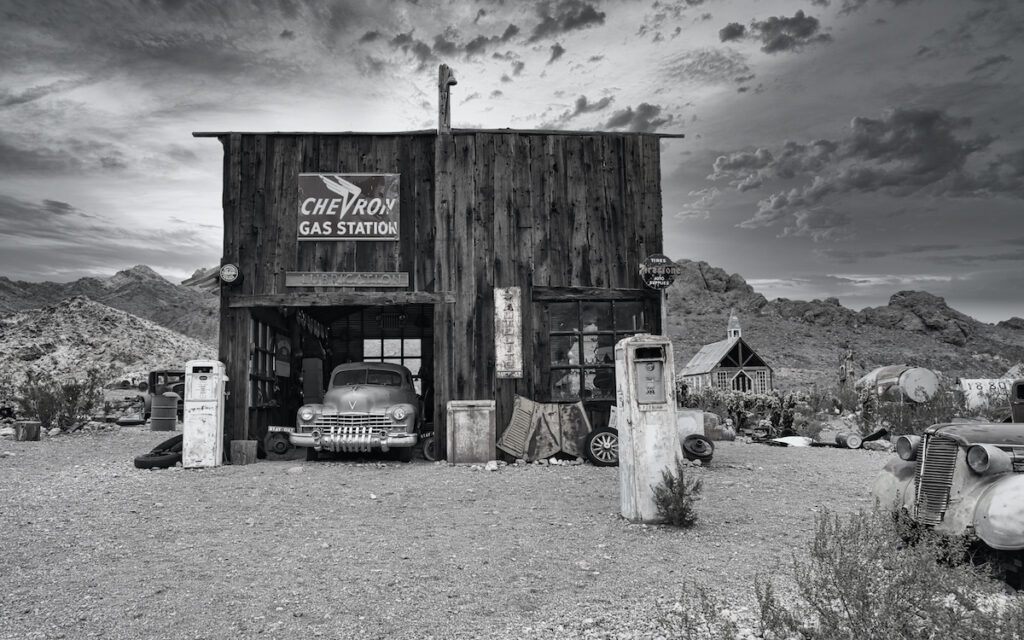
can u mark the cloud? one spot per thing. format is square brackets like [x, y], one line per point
[9, 99]
[287, 34]
[370, 36]
[732, 31]
[497, 93]
[989, 62]
[645, 118]
[818, 224]
[74, 241]
[701, 207]
[557, 51]
[517, 67]
[418, 49]
[778, 33]
[707, 66]
[903, 153]
[564, 16]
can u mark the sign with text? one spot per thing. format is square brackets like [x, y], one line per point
[348, 206]
[508, 332]
[658, 271]
[346, 279]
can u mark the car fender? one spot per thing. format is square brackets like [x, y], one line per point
[893, 486]
[999, 514]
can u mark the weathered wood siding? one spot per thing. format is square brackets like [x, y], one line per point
[534, 211]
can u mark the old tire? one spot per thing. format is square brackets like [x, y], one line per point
[403, 454]
[158, 460]
[312, 455]
[697, 447]
[430, 449]
[602, 447]
[276, 443]
[171, 444]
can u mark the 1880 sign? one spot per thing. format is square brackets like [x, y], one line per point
[348, 206]
[659, 272]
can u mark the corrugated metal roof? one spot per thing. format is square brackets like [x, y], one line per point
[708, 357]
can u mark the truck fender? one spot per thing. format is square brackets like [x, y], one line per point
[893, 486]
[999, 514]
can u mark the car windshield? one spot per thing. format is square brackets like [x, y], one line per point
[379, 377]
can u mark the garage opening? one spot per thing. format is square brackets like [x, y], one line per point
[294, 349]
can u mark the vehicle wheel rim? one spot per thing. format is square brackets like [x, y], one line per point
[605, 447]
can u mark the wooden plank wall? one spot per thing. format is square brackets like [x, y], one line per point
[533, 210]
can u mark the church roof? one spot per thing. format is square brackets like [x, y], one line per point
[711, 356]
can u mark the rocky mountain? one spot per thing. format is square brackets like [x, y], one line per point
[139, 291]
[78, 334]
[804, 341]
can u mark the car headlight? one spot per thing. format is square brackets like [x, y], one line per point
[306, 414]
[906, 447]
[398, 414]
[987, 459]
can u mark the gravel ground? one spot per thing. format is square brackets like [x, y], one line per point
[94, 548]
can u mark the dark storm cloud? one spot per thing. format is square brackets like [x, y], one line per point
[989, 62]
[66, 155]
[707, 66]
[564, 16]
[9, 99]
[905, 152]
[778, 33]
[645, 118]
[732, 31]
[557, 51]
[418, 49]
[287, 34]
[517, 67]
[370, 36]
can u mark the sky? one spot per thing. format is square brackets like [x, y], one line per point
[847, 148]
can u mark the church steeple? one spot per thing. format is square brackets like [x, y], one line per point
[734, 330]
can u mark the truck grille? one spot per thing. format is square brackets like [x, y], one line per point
[934, 478]
[372, 422]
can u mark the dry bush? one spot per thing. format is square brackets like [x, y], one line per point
[55, 402]
[676, 495]
[859, 580]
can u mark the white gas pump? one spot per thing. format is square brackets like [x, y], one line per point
[205, 391]
[646, 412]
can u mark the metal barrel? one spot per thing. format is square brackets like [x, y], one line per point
[849, 440]
[164, 416]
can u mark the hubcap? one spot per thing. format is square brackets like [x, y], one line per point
[605, 447]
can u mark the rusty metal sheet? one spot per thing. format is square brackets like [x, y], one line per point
[574, 428]
[546, 439]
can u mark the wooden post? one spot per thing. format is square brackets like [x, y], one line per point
[26, 431]
[243, 451]
[445, 79]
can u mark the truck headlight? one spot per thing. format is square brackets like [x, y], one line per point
[907, 446]
[987, 459]
[398, 414]
[306, 414]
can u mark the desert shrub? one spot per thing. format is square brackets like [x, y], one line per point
[805, 420]
[55, 402]
[858, 580]
[676, 495]
[902, 417]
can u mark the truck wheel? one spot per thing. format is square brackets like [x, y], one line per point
[697, 447]
[171, 444]
[602, 447]
[276, 443]
[430, 449]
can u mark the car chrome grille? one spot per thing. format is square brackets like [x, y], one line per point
[934, 478]
[375, 421]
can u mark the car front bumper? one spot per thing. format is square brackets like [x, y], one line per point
[351, 440]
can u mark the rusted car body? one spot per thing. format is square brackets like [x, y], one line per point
[368, 406]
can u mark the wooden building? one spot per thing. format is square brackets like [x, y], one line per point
[546, 228]
[728, 364]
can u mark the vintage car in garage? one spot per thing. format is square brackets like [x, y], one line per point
[963, 479]
[368, 406]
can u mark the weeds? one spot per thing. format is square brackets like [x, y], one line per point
[59, 403]
[859, 581]
[676, 495]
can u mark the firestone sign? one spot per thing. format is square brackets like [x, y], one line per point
[658, 271]
[348, 206]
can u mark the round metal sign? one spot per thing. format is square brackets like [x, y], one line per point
[659, 272]
[228, 273]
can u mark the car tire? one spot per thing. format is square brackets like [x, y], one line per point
[698, 447]
[312, 455]
[158, 460]
[602, 447]
[430, 449]
[171, 444]
[403, 454]
[276, 443]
